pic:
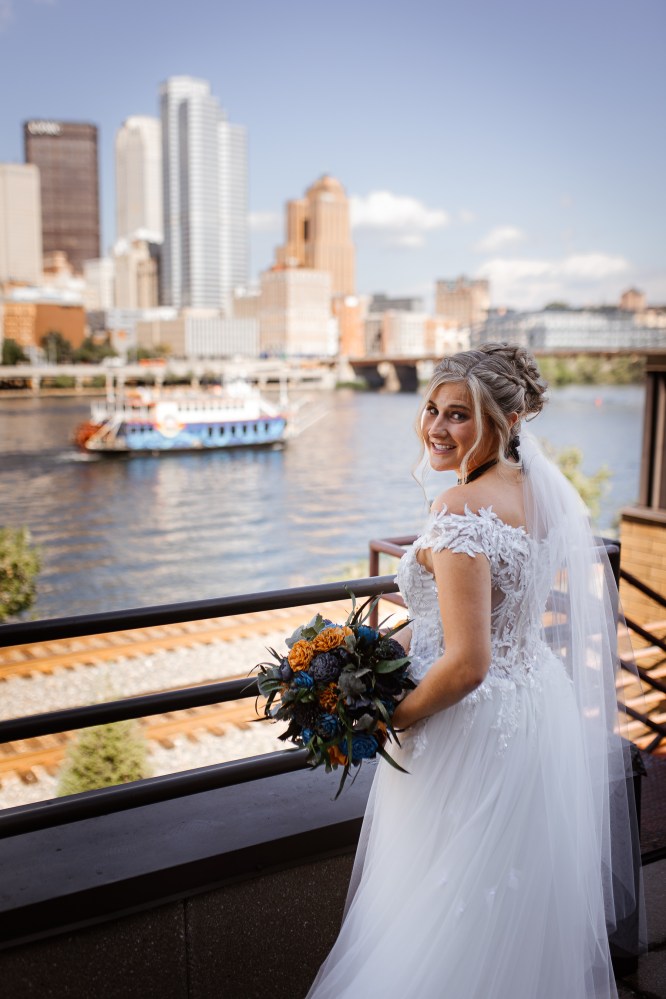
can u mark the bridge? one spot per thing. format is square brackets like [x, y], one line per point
[398, 373]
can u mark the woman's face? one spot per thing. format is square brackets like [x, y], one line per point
[449, 428]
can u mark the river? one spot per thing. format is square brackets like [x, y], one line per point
[151, 530]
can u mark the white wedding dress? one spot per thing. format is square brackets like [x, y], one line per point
[477, 875]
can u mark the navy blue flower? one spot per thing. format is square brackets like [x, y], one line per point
[389, 648]
[364, 747]
[306, 735]
[303, 679]
[328, 726]
[366, 635]
[325, 667]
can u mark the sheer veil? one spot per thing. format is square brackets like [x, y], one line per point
[577, 588]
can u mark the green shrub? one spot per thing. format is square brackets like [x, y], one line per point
[20, 563]
[104, 756]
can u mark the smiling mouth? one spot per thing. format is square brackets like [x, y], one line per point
[442, 448]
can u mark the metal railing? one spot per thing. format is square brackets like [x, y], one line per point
[27, 818]
[654, 640]
[106, 800]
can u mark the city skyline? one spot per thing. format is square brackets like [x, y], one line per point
[519, 145]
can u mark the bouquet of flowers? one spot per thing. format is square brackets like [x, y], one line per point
[338, 687]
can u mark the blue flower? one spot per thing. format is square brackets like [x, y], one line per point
[306, 735]
[364, 747]
[303, 679]
[328, 726]
[366, 635]
[325, 668]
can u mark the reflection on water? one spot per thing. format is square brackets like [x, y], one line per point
[127, 532]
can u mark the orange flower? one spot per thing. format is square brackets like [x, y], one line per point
[330, 638]
[300, 655]
[336, 755]
[329, 697]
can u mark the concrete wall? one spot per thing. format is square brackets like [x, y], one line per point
[262, 938]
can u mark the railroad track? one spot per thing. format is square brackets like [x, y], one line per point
[48, 751]
[27, 758]
[91, 650]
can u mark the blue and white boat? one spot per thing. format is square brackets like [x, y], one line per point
[141, 421]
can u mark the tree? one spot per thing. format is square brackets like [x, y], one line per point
[104, 756]
[591, 488]
[19, 565]
[12, 352]
[92, 351]
[57, 348]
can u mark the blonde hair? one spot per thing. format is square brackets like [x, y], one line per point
[501, 379]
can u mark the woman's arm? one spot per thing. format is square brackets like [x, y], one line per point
[463, 586]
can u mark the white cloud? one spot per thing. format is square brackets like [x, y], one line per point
[466, 216]
[265, 221]
[593, 265]
[500, 236]
[404, 219]
[525, 283]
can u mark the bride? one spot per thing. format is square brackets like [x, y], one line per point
[487, 871]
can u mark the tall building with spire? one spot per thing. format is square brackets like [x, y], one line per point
[205, 250]
[319, 234]
[139, 179]
[66, 154]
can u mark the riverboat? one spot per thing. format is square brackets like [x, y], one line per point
[142, 421]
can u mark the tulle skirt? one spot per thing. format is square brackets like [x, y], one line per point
[477, 875]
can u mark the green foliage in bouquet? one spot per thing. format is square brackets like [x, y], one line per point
[337, 689]
[104, 756]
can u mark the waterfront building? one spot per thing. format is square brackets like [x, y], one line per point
[66, 154]
[572, 330]
[20, 224]
[246, 302]
[137, 269]
[463, 302]
[319, 234]
[99, 277]
[30, 313]
[199, 333]
[139, 179]
[295, 313]
[350, 312]
[633, 300]
[404, 333]
[120, 325]
[381, 302]
[205, 250]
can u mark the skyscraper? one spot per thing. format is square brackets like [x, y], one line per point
[205, 198]
[139, 179]
[20, 224]
[319, 234]
[66, 154]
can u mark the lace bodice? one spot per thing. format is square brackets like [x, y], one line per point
[516, 614]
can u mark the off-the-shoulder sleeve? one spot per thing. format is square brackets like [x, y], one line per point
[466, 533]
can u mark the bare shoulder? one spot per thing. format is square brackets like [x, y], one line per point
[500, 491]
[454, 500]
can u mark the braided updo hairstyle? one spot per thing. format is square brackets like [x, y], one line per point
[501, 379]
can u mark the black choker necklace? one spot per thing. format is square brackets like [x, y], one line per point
[478, 471]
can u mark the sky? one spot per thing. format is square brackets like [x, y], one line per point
[515, 140]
